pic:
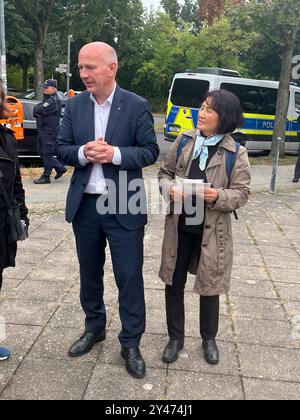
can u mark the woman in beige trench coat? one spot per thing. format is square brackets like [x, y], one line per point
[205, 248]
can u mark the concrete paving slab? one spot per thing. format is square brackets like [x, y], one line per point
[257, 308]
[259, 389]
[45, 381]
[255, 273]
[40, 291]
[285, 275]
[21, 271]
[20, 339]
[261, 331]
[117, 385]
[274, 363]
[278, 251]
[289, 291]
[291, 262]
[253, 288]
[27, 313]
[195, 386]
[248, 259]
[68, 316]
[54, 272]
[292, 309]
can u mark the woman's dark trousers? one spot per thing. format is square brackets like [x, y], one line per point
[209, 305]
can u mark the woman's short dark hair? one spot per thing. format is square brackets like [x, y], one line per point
[228, 107]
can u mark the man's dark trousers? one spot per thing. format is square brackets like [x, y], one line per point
[92, 231]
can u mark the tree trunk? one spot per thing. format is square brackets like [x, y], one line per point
[283, 97]
[39, 70]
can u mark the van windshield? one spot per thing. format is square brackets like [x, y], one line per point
[189, 93]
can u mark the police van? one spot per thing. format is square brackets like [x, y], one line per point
[258, 99]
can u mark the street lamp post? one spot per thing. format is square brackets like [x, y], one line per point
[3, 75]
[69, 75]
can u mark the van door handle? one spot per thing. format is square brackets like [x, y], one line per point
[189, 118]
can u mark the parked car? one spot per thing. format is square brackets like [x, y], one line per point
[30, 94]
[27, 148]
[77, 92]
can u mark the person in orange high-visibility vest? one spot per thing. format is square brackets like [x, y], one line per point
[71, 93]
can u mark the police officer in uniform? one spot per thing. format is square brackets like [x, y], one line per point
[48, 114]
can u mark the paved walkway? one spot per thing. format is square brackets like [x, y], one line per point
[259, 335]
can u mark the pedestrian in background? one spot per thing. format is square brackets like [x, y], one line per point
[11, 195]
[48, 115]
[71, 93]
[204, 249]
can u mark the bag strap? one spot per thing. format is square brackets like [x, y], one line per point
[183, 142]
[230, 160]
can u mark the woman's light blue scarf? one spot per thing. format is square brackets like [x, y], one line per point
[201, 148]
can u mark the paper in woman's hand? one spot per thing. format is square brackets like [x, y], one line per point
[192, 186]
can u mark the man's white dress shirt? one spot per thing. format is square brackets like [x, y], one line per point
[97, 183]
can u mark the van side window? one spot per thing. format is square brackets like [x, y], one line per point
[267, 101]
[254, 99]
[248, 95]
[189, 93]
[297, 102]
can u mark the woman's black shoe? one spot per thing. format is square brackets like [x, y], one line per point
[211, 352]
[171, 351]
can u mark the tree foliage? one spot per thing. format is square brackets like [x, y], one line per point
[249, 36]
[212, 10]
[277, 24]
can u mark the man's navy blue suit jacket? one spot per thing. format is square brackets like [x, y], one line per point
[130, 127]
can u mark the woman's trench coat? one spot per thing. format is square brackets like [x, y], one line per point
[213, 271]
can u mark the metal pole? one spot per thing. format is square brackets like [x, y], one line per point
[275, 165]
[3, 74]
[69, 63]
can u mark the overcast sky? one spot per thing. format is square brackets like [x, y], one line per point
[154, 3]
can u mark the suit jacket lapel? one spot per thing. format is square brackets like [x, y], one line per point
[91, 120]
[115, 114]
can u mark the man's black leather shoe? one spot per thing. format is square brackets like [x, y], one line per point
[60, 174]
[86, 342]
[171, 351]
[296, 180]
[135, 364]
[42, 180]
[211, 352]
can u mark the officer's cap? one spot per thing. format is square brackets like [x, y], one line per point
[50, 82]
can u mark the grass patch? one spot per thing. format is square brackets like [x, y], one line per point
[159, 128]
[268, 160]
[35, 172]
